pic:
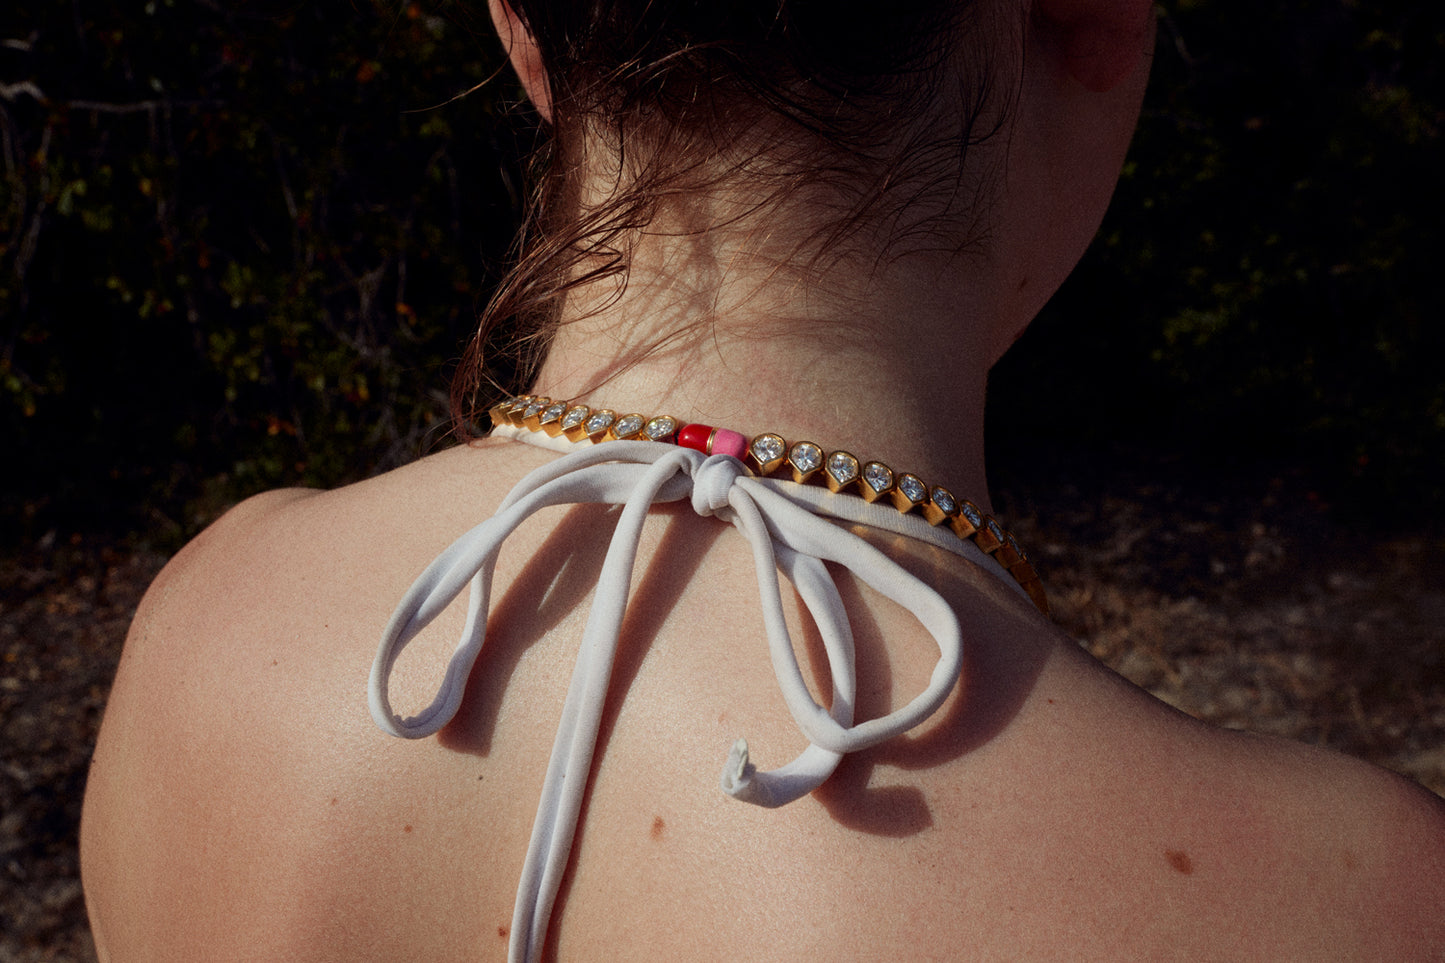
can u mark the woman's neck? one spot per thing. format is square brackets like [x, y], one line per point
[888, 361]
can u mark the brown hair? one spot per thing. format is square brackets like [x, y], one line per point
[817, 90]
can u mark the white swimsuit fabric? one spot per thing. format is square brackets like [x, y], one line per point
[789, 530]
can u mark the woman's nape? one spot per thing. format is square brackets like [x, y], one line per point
[747, 305]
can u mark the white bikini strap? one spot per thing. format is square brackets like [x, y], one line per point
[782, 523]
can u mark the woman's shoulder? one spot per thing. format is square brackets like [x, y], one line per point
[307, 575]
[1326, 855]
[237, 739]
[1237, 845]
[1367, 844]
[282, 530]
[1370, 842]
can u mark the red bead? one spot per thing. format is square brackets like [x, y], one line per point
[695, 437]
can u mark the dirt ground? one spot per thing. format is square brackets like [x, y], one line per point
[1258, 610]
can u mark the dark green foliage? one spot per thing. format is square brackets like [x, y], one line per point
[240, 245]
[1267, 285]
[237, 249]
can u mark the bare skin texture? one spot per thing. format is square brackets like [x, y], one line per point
[243, 806]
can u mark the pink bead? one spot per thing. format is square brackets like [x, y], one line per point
[725, 442]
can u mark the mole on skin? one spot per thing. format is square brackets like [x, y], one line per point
[657, 826]
[1179, 860]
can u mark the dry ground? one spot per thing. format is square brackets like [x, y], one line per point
[1256, 610]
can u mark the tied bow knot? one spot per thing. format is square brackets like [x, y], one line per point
[783, 524]
[712, 482]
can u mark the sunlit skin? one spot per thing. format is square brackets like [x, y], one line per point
[242, 804]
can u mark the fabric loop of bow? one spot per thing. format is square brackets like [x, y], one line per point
[760, 508]
[785, 534]
[712, 483]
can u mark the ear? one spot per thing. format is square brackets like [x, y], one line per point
[1098, 42]
[526, 59]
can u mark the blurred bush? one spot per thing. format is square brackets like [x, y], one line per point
[238, 245]
[1267, 286]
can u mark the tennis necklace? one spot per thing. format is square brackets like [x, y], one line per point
[770, 455]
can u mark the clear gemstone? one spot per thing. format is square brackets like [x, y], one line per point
[517, 407]
[659, 428]
[533, 410]
[767, 448]
[878, 476]
[553, 412]
[971, 512]
[912, 488]
[627, 426]
[599, 422]
[843, 467]
[575, 416]
[945, 501]
[805, 456]
[995, 530]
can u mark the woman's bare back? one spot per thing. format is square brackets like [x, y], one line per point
[243, 805]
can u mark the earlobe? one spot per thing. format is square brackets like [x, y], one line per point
[525, 58]
[1099, 42]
